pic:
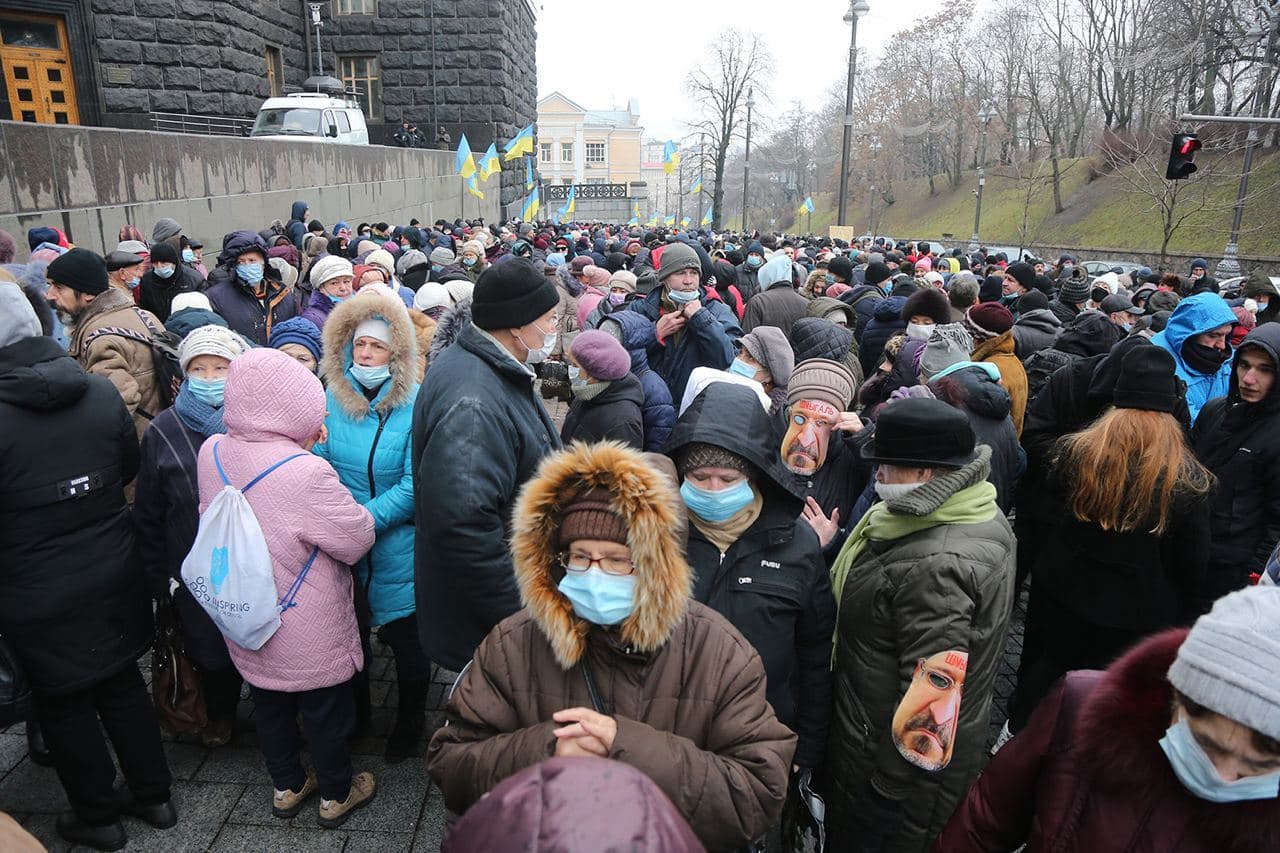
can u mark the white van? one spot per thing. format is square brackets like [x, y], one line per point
[324, 114]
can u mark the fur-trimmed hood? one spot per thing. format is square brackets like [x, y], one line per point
[338, 332]
[646, 499]
[448, 328]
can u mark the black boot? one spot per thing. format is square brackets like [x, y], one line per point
[364, 704]
[36, 747]
[411, 721]
[110, 836]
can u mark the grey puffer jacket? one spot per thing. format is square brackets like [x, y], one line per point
[1035, 330]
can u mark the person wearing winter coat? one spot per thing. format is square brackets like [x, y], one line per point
[777, 304]
[658, 413]
[612, 657]
[924, 591]
[1175, 746]
[166, 516]
[75, 609]
[1087, 334]
[746, 274]
[1196, 336]
[1259, 288]
[606, 397]
[886, 321]
[814, 337]
[974, 388]
[1237, 437]
[274, 413]
[1036, 328]
[479, 432]
[754, 560]
[247, 292]
[595, 290]
[691, 328]
[864, 298]
[765, 356]
[296, 227]
[370, 369]
[991, 326]
[166, 278]
[1129, 553]
[332, 280]
[472, 259]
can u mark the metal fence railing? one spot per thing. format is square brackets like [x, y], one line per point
[201, 124]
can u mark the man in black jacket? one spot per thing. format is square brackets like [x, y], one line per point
[1237, 437]
[479, 431]
[75, 608]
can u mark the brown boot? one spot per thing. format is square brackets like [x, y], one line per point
[334, 814]
[287, 804]
[217, 733]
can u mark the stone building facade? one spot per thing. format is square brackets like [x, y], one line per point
[461, 66]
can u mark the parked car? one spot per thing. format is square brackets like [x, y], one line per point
[1096, 268]
[326, 114]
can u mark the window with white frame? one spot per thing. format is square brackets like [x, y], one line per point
[544, 152]
[566, 152]
[595, 152]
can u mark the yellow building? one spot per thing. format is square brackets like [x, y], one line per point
[581, 146]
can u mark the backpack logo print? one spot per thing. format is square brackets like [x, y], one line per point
[218, 568]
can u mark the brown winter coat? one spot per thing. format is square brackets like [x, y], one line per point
[425, 329]
[687, 691]
[127, 363]
[1000, 352]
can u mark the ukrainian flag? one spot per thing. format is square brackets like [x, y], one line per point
[706, 217]
[473, 187]
[489, 164]
[635, 211]
[520, 144]
[529, 212]
[684, 223]
[670, 157]
[464, 164]
[653, 220]
[807, 207]
[670, 221]
[697, 185]
[571, 204]
[634, 221]
[528, 174]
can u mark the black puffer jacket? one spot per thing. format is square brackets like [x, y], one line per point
[814, 337]
[885, 323]
[156, 293]
[613, 416]
[74, 607]
[1240, 443]
[988, 404]
[771, 584]
[864, 298]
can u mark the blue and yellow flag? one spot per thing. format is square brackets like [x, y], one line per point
[634, 222]
[528, 174]
[464, 164]
[473, 187]
[807, 207]
[520, 144]
[489, 164]
[670, 221]
[684, 223]
[697, 185]
[571, 203]
[706, 217]
[670, 157]
[529, 211]
[653, 220]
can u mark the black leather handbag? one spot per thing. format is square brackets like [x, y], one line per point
[15, 692]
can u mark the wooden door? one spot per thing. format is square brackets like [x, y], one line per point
[37, 69]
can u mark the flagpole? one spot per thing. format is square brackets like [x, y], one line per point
[680, 196]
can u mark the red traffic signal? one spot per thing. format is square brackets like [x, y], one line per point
[1182, 156]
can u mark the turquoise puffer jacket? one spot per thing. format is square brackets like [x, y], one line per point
[370, 446]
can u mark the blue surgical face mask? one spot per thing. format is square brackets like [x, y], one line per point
[717, 506]
[164, 272]
[336, 300]
[134, 282]
[1128, 327]
[600, 598]
[468, 262]
[1197, 774]
[436, 267]
[208, 391]
[831, 279]
[188, 256]
[682, 297]
[755, 260]
[741, 368]
[249, 273]
[371, 377]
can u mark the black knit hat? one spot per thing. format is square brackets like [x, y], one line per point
[1147, 381]
[1033, 301]
[1023, 273]
[876, 273]
[842, 268]
[510, 295]
[921, 432]
[80, 270]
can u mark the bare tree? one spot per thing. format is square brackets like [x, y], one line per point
[736, 62]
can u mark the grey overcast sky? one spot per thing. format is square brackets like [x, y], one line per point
[602, 54]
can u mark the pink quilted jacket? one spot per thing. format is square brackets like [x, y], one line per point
[272, 405]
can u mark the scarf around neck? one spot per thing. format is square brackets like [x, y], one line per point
[196, 414]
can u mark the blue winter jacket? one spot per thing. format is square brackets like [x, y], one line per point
[658, 412]
[706, 341]
[1196, 315]
[370, 445]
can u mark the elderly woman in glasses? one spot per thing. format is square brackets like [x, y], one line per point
[612, 658]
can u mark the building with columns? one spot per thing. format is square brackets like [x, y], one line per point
[581, 146]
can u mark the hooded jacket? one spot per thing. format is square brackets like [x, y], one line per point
[1035, 330]
[777, 305]
[658, 413]
[250, 311]
[948, 587]
[772, 583]
[863, 298]
[705, 341]
[1240, 443]
[370, 446]
[1196, 315]
[155, 294]
[479, 432]
[1087, 773]
[75, 609]
[686, 690]
[614, 415]
[129, 364]
[988, 405]
[886, 321]
[296, 228]
[814, 337]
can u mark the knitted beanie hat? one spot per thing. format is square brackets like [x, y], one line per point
[590, 516]
[18, 319]
[600, 355]
[1230, 660]
[698, 455]
[297, 330]
[510, 295]
[211, 340]
[676, 257]
[624, 279]
[80, 270]
[328, 267]
[949, 343]
[442, 255]
[822, 379]
[770, 347]
[1074, 289]
[1147, 380]
[987, 320]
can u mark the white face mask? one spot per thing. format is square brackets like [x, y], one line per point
[919, 331]
[892, 491]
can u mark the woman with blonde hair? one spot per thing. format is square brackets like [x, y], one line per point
[1125, 559]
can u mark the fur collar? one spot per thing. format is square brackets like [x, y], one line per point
[1119, 730]
[338, 330]
[449, 328]
[648, 502]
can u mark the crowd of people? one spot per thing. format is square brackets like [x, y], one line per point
[775, 544]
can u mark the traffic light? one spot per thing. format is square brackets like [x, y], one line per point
[1182, 156]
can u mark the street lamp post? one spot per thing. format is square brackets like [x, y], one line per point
[1230, 263]
[871, 191]
[746, 160]
[986, 115]
[857, 8]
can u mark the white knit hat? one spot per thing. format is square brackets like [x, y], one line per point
[211, 340]
[376, 328]
[382, 258]
[191, 299]
[330, 266]
[460, 289]
[432, 294]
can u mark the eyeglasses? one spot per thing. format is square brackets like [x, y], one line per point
[578, 562]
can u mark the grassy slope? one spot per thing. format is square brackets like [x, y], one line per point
[1102, 213]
